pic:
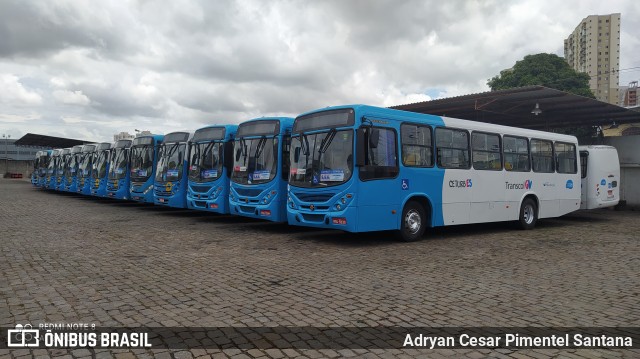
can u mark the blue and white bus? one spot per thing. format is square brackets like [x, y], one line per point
[36, 169]
[85, 165]
[100, 169]
[361, 168]
[40, 167]
[210, 165]
[261, 168]
[71, 169]
[143, 163]
[51, 178]
[171, 182]
[118, 177]
[65, 158]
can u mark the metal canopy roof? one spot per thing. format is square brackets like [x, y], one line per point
[31, 139]
[513, 107]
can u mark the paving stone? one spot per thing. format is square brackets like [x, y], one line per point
[71, 259]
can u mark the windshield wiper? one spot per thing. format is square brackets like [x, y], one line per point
[260, 146]
[326, 142]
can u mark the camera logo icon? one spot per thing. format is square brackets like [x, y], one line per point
[23, 336]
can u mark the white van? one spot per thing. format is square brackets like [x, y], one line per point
[600, 170]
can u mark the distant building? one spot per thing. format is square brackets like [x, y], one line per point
[123, 136]
[594, 48]
[630, 95]
[143, 133]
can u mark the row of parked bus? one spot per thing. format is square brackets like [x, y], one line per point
[356, 168]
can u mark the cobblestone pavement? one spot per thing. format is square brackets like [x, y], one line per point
[73, 259]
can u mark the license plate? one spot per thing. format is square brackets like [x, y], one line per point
[161, 200]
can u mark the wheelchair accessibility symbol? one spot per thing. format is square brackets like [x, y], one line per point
[405, 184]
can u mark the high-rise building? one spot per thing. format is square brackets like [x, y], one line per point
[123, 136]
[594, 48]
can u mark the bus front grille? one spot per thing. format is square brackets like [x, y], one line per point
[317, 218]
[248, 192]
[314, 197]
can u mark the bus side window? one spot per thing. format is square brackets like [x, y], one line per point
[416, 145]
[516, 154]
[566, 157]
[381, 161]
[542, 156]
[584, 159]
[452, 148]
[486, 151]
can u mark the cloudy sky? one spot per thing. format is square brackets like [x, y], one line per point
[89, 69]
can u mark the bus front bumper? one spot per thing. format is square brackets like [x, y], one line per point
[345, 220]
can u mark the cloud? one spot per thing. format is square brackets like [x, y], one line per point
[71, 97]
[14, 93]
[163, 66]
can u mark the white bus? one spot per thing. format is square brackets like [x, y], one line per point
[600, 170]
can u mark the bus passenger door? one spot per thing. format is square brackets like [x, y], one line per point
[380, 185]
[584, 183]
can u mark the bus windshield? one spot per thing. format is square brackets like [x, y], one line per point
[71, 166]
[99, 169]
[52, 165]
[42, 163]
[255, 160]
[118, 163]
[321, 159]
[206, 161]
[141, 162]
[84, 165]
[170, 158]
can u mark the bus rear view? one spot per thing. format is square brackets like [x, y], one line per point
[170, 185]
[210, 165]
[600, 176]
[260, 169]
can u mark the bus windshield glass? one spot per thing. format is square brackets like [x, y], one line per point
[255, 160]
[170, 162]
[321, 159]
[118, 163]
[99, 169]
[141, 162]
[206, 161]
[52, 165]
[84, 164]
[71, 166]
[43, 162]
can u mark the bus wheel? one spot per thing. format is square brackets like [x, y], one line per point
[528, 214]
[413, 222]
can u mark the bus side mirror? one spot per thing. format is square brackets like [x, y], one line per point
[360, 147]
[296, 155]
[228, 155]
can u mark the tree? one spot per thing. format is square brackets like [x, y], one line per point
[547, 70]
[551, 71]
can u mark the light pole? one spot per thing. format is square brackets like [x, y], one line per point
[6, 151]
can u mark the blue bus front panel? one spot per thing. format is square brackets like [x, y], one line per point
[142, 191]
[118, 188]
[330, 208]
[259, 201]
[212, 197]
[171, 194]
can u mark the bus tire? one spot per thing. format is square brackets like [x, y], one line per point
[414, 222]
[528, 214]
